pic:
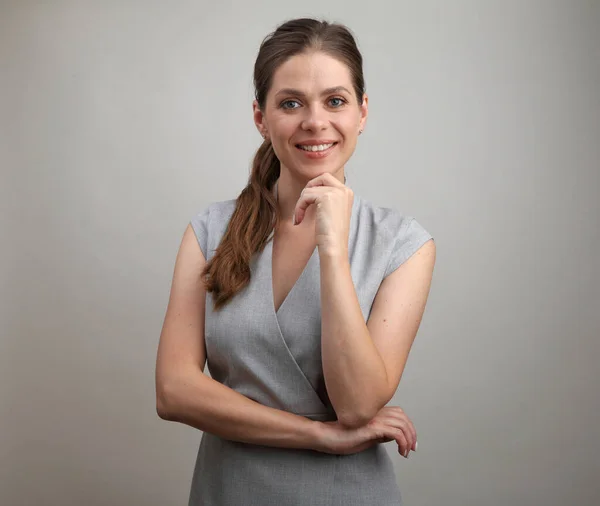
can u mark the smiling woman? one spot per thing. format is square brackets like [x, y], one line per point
[311, 114]
[302, 297]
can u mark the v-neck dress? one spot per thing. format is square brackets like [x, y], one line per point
[274, 358]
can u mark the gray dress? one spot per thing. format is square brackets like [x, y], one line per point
[274, 358]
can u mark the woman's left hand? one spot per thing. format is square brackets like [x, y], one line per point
[333, 200]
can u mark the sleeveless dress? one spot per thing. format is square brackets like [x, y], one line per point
[274, 358]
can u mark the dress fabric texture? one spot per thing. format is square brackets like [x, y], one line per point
[274, 358]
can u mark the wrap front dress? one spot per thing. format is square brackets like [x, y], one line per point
[274, 358]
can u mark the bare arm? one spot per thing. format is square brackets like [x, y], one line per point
[363, 362]
[201, 402]
[185, 394]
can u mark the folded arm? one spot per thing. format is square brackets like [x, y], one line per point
[363, 362]
[185, 394]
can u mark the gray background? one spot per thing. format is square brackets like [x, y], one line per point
[119, 120]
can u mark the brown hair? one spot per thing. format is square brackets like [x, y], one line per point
[255, 215]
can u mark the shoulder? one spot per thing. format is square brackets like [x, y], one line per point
[388, 233]
[216, 211]
[385, 223]
[210, 222]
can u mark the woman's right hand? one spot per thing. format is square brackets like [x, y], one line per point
[390, 424]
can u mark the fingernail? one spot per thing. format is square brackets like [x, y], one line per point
[294, 219]
[416, 445]
[407, 453]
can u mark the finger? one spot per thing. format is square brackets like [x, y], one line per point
[403, 423]
[382, 432]
[411, 427]
[307, 198]
[414, 433]
[403, 446]
[389, 432]
[325, 179]
[321, 184]
[399, 413]
[407, 435]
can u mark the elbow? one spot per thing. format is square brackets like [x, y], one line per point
[359, 416]
[354, 420]
[173, 392]
[161, 410]
[164, 404]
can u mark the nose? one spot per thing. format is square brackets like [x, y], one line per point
[316, 119]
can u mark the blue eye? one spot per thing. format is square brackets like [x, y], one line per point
[341, 102]
[284, 104]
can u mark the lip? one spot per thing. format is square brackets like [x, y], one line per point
[315, 142]
[317, 155]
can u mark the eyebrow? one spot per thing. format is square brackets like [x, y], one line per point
[298, 93]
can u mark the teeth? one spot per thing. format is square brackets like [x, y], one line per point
[320, 147]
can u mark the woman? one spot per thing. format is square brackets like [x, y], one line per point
[303, 297]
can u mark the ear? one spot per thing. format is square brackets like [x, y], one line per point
[364, 112]
[259, 119]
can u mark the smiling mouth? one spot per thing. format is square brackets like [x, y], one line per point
[316, 148]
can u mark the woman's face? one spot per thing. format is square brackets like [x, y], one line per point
[312, 115]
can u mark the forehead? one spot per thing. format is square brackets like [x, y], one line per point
[311, 73]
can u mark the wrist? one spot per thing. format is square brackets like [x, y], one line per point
[317, 439]
[333, 254]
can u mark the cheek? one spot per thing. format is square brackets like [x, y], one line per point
[282, 126]
[348, 124]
